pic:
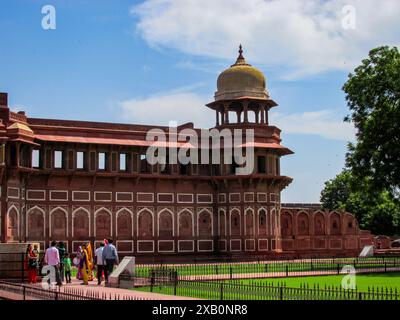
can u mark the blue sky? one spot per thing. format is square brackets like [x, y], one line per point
[158, 60]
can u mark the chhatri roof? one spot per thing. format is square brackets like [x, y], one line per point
[241, 80]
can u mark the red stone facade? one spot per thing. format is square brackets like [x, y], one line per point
[54, 187]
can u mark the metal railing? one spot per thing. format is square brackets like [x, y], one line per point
[267, 269]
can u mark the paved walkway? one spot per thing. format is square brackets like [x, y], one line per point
[115, 293]
[92, 291]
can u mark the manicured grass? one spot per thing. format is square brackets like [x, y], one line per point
[256, 289]
[271, 266]
[363, 281]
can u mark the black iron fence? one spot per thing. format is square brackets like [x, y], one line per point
[24, 292]
[261, 291]
[17, 291]
[265, 269]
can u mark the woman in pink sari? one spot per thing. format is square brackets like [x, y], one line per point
[79, 253]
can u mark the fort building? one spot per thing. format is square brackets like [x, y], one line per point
[78, 181]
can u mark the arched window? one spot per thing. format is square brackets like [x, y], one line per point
[81, 224]
[35, 223]
[58, 224]
[165, 224]
[145, 224]
[103, 224]
[302, 224]
[12, 225]
[287, 224]
[205, 224]
[185, 224]
[249, 217]
[235, 223]
[262, 222]
[124, 223]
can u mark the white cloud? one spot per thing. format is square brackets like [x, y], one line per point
[304, 36]
[160, 109]
[190, 107]
[326, 123]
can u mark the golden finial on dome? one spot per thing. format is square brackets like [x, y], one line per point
[240, 61]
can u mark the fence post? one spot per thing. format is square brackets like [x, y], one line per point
[287, 271]
[152, 280]
[385, 266]
[230, 272]
[338, 268]
[221, 291]
[56, 295]
[360, 296]
[175, 281]
[24, 292]
[281, 293]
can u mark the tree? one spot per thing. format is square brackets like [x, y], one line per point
[373, 97]
[337, 191]
[370, 183]
[374, 210]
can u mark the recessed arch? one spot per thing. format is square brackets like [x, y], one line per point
[205, 223]
[145, 223]
[249, 222]
[103, 225]
[303, 223]
[262, 221]
[35, 222]
[185, 223]
[319, 223]
[124, 222]
[165, 223]
[58, 224]
[335, 223]
[13, 225]
[287, 224]
[222, 222]
[81, 222]
[235, 225]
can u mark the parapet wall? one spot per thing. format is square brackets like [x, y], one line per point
[309, 231]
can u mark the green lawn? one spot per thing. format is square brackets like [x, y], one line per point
[363, 281]
[269, 289]
[271, 266]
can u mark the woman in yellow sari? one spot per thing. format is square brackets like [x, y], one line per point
[90, 259]
[85, 265]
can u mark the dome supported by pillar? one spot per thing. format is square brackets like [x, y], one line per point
[241, 90]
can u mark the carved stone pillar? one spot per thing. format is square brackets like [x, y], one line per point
[226, 113]
[2, 153]
[245, 109]
[262, 114]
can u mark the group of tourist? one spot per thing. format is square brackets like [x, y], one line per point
[105, 258]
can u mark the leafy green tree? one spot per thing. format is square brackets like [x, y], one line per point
[337, 191]
[373, 97]
[369, 185]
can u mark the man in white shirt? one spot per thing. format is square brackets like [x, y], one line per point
[100, 263]
[52, 258]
